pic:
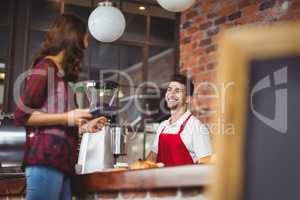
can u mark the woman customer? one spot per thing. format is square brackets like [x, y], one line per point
[47, 110]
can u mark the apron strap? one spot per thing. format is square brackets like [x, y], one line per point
[182, 125]
[163, 130]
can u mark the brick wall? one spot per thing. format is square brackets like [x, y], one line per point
[200, 27]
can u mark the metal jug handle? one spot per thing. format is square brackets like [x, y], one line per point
[126, 134]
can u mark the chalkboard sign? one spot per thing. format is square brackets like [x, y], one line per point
[273, 141]
[260, 161]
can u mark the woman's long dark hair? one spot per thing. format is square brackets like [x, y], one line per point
[66, 33]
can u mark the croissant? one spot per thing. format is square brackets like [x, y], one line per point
[140, 164]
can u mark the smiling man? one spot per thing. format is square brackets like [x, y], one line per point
[182, 139]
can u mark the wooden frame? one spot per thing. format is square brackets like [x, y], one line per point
[238, 47]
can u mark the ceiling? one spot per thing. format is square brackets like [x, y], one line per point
[130, 6]
[149, 2]
[143, 1]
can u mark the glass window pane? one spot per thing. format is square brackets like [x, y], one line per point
[162, 30]
[136, 104]
[81, 11]
[155, 105]
[104, 55]
[131, 107]
[161, 65]
[36, 38]
[127, 59]
[131, 64]
[135, 27]
[4, 38]
[43, 13]
[84, 74]
[107, 74]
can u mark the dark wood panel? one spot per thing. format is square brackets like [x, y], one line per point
[18, 49]
[4, 42]
[4, 12]
[162, 30]
[7, 18]
[12, 186]
[135, 27]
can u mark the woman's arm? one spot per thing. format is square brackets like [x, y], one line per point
[72, 118]
[46, 119]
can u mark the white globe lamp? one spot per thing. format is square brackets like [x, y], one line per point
[106, 23]
[176, 5]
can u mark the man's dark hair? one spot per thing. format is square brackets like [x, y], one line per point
[185, 81]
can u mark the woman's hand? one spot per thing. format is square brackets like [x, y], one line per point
[78, 117]
[93, 126]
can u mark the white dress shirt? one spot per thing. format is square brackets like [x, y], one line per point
[195, 135]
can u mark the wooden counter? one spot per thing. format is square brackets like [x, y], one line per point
[158, 178]
[12, 186]
[192, 176]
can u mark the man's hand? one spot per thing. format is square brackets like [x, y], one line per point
[205, 160]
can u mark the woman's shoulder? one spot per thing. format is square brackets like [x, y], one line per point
[44, 63]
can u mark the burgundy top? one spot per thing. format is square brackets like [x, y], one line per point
[46, 91]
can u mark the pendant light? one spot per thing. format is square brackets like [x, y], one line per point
[176, 5]
[106, 23]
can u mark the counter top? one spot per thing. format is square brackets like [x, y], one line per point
[157, 178]
[146, 179]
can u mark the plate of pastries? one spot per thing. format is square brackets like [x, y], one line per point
[145, 164]
[139, 164]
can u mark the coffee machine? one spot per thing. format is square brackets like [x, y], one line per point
[98, 151]
[12, 143]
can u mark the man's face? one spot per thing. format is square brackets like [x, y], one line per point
[176, 95]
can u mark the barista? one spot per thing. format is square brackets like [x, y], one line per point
[182, 139]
